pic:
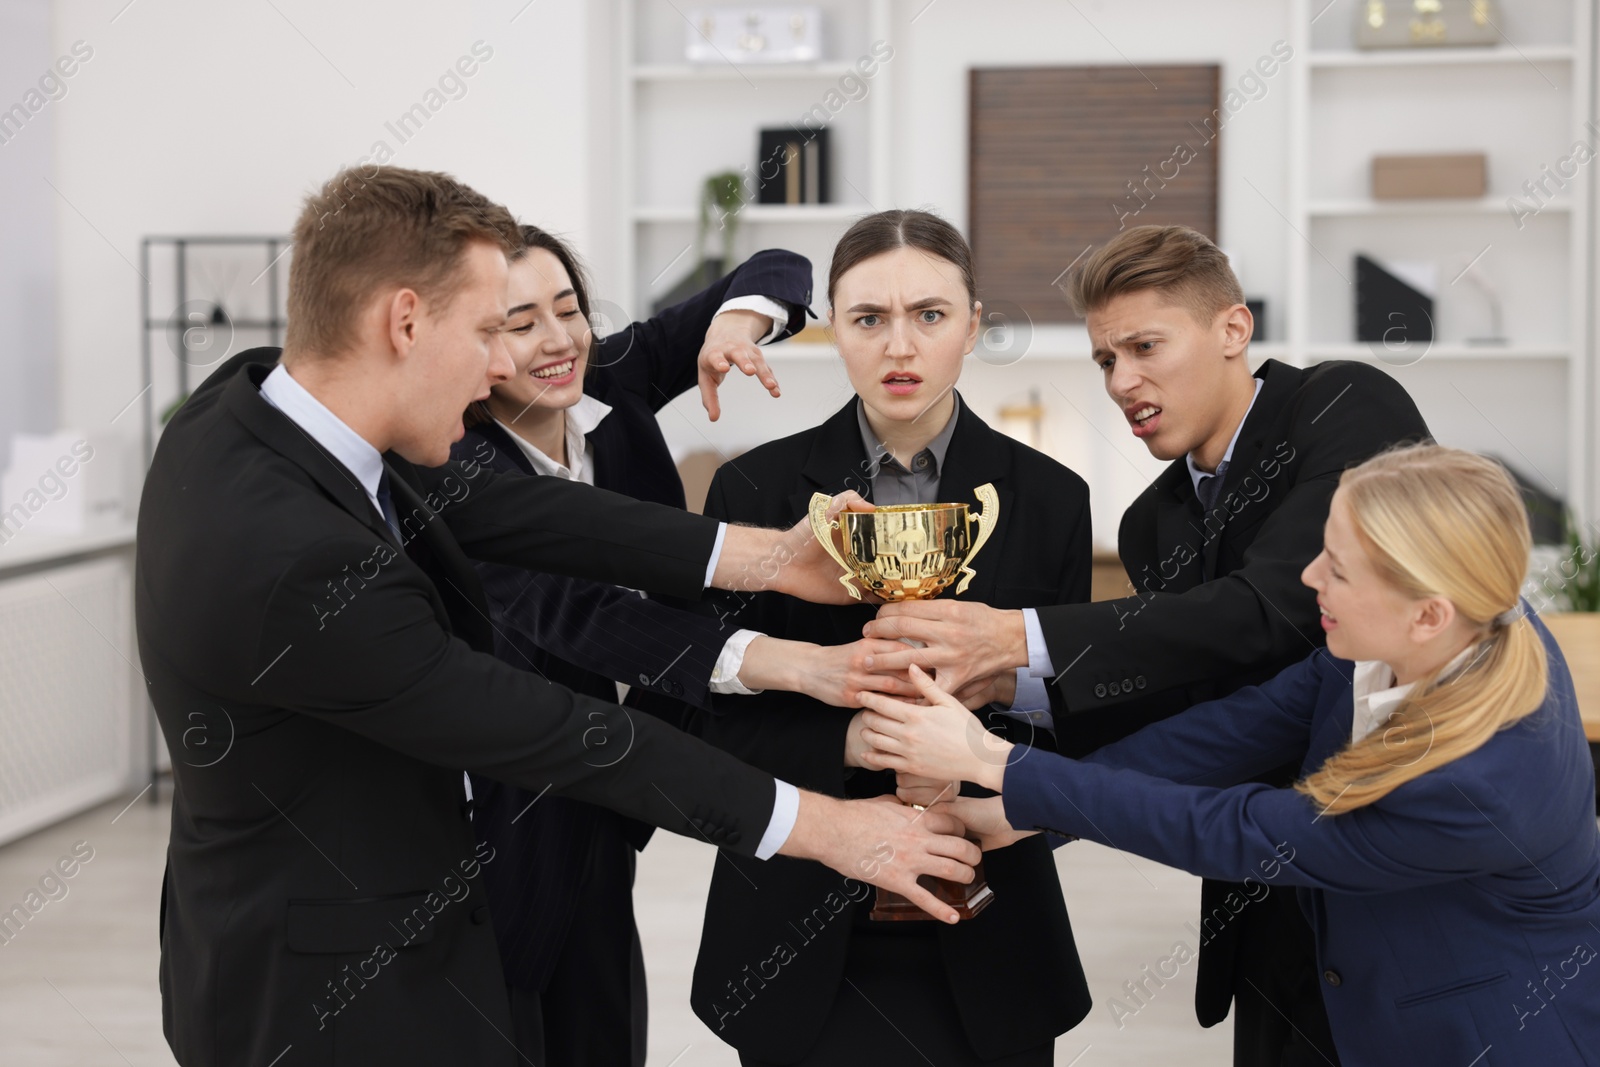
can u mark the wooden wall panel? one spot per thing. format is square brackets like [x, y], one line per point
[1062, 158]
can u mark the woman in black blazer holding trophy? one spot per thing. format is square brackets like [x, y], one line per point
[792, 968]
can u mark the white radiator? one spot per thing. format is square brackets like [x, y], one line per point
[66, 691]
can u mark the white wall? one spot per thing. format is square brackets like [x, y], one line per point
[197, 117]
[27, 239]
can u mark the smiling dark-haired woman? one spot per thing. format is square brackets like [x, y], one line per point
[791, 969]
[560, 887]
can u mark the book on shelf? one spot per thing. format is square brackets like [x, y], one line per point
[792, 167]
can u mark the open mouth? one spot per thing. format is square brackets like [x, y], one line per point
[1144, 418]
[1327, 620]
[555, 370]
[900, 382]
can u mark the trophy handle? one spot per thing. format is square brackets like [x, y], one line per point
[985, 520]
[823, 527]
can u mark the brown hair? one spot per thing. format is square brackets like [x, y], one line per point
[1182, 263]
[885, 231]
[360, 233]
[1437, 521]
[533, 237]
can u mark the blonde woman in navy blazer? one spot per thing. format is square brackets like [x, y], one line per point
[1442, 838]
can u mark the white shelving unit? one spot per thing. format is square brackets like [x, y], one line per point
[1524, 103]
[664, 102]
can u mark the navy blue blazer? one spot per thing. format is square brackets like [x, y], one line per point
[1457, 920]
[587, 635]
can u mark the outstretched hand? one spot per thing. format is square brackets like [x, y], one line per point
[985, 819]
[939, 739]
[887, 844]
[960, 639]
[730, 343]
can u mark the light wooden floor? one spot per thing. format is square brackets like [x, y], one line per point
[78, 983]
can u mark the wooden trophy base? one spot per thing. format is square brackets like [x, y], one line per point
[968, 899]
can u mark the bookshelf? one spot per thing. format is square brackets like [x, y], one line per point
[1523, 103]
[662, 103]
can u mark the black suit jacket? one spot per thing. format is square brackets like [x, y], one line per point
[1219, 602]
[1014, 969]
[321, 692]
[587, 635]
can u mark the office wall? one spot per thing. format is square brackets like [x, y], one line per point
[27, 239]
[196, 117]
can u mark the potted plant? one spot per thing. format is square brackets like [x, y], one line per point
[723, 195]
[1572, 586]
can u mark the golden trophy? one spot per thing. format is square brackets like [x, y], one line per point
[912, 552]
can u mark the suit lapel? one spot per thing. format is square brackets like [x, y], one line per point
[837, 461]
[1179, 535]
[1278, 383]
[433, 548]
[276, 430]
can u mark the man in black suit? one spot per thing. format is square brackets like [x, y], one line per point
[323, 902]
[1214, 548]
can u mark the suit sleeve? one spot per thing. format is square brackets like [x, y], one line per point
[1260, 612]
[611, 631]
[1227, 741]
[657, 359]
[1429, 831]
[569, 528]
[790, 736]
[383, 667]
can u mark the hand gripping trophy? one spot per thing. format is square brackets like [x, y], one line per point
[912, 552]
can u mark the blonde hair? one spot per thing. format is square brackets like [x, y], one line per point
[1437, 521]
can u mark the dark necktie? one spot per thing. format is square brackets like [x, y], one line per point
[1210, 485]
[386, 505]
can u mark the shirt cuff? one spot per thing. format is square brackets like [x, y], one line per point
[716, 553]
[1039, 664]
[1032, 694]
[763, 305]
[785, 810]
[725, 675]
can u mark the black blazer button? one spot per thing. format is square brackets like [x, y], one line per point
[1331, 977]
[1100, 690]
[644, 679]
[675, 689]
[731, 837]
[480, 915]
[1127, 685]
[1138, 682]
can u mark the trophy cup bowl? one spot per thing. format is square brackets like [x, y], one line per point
[912, 552]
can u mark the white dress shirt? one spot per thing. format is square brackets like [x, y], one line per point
[1375, 696]
[1031, 694]
[365, 463]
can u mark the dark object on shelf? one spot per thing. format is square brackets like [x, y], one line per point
[1258, 311]
[792, 167]
[1462, 175]
[709, 270]
[1425, 23]
[1546, 511]
[1390, 310]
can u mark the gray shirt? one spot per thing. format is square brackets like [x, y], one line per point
[896, 483]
